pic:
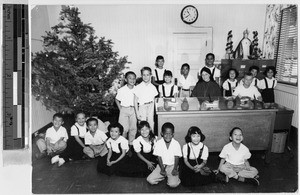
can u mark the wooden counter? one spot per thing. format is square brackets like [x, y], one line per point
[257, 123]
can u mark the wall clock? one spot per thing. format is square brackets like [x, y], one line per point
[189, 14]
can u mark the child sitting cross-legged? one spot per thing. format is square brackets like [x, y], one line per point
[234, 159]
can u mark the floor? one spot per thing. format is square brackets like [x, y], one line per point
[81, 177]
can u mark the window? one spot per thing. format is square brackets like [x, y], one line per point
[287, 49]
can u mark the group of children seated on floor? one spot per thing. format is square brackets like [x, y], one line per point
[149, 156]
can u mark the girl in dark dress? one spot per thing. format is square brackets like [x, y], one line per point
[194, 171]
[231, 82]
[268, 84]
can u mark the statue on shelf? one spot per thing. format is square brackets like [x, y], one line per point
[243, 49]
[229, 46]
[254, 50]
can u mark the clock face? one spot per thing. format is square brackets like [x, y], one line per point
[189, 14]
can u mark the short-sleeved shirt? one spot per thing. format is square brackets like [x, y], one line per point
[251, 92]
[187, 82]
[214, 70]
[98, 138]
[232, 84]
[125, 96]
[233, 156]
[54, 135]
[79, 130]
[114, 144]
[145, 92]
[167, 154]
[255, 82]
[160, 73]
[196, 149]
[139, 142]
[262, 83]
[168, 89]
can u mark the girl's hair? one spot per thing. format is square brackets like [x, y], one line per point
[185, 64]
[116, 125]
[236, 72]
[145, 124]
[159, 58]
[232, 130]
[194, 130]
[254, 67]
[146, 68]
[90, 120]
[270, 68]
[205, 69]
[168, 73]
[80, 112]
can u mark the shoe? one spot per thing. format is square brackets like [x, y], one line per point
[40, 155]
[54, 159]
[253, 181]
[61, 161]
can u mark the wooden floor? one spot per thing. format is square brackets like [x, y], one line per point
[81, 177]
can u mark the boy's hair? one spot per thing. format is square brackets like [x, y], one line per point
[232, 130]
[236, 72]
[166, 126]
[145, 124]
[58, 115]
[210, 54]
[185, 64]
[129, 73]
[159, 57]
[168, 73]
[194, 130]
[270, 68]
[116, 125]
[90, 120]
[254, 67]
[146, 68]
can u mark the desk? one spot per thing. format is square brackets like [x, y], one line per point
[257, 123]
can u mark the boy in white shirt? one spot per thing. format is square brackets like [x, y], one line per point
[125, 103]
[168, 89]
[168, 151]
[94, 140]
[55, 141]
[145, 93]
[186, 81]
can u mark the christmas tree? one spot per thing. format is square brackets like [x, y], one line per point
[77, 71]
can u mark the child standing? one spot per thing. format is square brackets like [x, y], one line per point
[268, 84]
[159, 71]
[234, 159]
[231, 83]
[55, 141]
[195, 154]
[168, 152]
[94, 140]
[75, 144]
[117, 146]
[186, 81]
[125, 103]
[145, 93]
[209, 63]
[168, 89]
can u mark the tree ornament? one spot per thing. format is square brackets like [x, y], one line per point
[75, 59]
[94, 65]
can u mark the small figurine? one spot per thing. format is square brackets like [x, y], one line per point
[229, 46]
[243, 49]
[255, 52]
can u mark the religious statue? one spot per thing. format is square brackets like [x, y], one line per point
[243, 49]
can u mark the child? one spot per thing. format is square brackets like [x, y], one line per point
[75, 144]
[195, 154]
[234, 159]
[117, 146]
[168, 89]
[145, 93]
[186, 81]
[268, 84]
[246, 89]
[231, 83]
[55, 141]
[168, 152]
[159, 71]
[209, 63]
[143, 146]
[125, 103]
[94, 140]
[254, 71]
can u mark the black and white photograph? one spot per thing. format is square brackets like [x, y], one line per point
[122, 97]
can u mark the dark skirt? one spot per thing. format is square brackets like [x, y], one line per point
[190, 178]
[268, 95]
[115, 168]
[73, 151]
